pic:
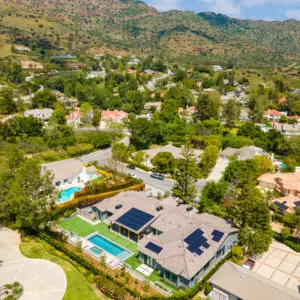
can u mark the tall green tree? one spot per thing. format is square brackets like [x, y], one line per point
[164, 162]
[44, 99]
[29, 197]
[231, 113]
[208, 160]
[7, 104]
[208, 106]
[185, 175]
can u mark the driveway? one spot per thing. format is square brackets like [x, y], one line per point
[219, 168]
[280, 264]
[40, 278]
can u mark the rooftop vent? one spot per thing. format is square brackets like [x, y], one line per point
[189, 208]
[118, 206]
[159, 208]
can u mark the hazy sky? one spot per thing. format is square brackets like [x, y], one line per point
[246, 9]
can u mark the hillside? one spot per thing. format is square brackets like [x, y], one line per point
[130, 26]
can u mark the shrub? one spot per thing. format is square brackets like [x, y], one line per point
[237, 254]
[79, 149]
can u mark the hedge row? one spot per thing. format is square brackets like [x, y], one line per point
[287, 241]
[103, 187]
[140, 166]
[116, 289]
[107, 281]
[93, 199]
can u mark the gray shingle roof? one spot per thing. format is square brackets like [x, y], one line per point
[64, 169]
[248, 285]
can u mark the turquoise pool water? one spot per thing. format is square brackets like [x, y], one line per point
[95, 250]
[109, 247]
[66, 195]
[283, 166]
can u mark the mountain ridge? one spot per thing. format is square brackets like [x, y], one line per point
[134, 27]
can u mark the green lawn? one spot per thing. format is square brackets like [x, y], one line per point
[78, 287]
[83, 228]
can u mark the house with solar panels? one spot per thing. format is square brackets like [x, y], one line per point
[173, 239]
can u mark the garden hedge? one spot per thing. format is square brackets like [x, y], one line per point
[93, 199]
[108, 282]
[290, 242]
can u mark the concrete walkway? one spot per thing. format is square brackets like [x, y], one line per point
[217, 171]
[41, 279]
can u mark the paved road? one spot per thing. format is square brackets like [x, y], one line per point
[166, 185]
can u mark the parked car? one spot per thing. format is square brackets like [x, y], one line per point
[157, 176]
[132, 167]
[249, 264]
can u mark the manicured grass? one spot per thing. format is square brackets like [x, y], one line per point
[78, 287]
[83, 228]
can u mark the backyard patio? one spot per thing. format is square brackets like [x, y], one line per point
[83, 228]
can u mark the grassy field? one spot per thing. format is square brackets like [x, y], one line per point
[83, 228]
[78, 287]
[5, 50]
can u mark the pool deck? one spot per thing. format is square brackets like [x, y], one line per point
[83, 228]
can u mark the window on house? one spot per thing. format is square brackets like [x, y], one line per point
[218, 295]
[170, 276]
[220, 252]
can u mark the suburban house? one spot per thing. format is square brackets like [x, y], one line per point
[74, 118]
[273, 114]
[42, 114]
[287, 204]
[232, 282]
[173, 239]
[244, 115]
[217, 68]
[22, 48]
[189, 111]
[115, 116]
[286, 183]
[33, 65]
[156, 105]
[176, 152]
[247, 152]
[70, 172]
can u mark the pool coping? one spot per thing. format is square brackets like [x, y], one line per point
[97, 233]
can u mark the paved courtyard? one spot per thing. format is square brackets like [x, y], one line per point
[40, 278]
[280, 264]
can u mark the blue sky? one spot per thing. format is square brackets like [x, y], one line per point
[245, 9]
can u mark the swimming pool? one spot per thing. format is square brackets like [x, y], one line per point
[67, 195]
[109, 247]
[96, 251]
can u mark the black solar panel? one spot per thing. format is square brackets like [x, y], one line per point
[193, 236]
[217, 235]
[153, 247]
[297, 203]
[196, 240]
[134, 219]
[281, 206]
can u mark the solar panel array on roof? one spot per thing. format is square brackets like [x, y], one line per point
[217, 235]
[153, 247]
[281, 206]
[134, 219]
[196, 240]
[297, 203]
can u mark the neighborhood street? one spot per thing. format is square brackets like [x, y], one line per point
[166, 185]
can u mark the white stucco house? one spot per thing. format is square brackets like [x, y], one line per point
[42, 114]
[70, 172]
